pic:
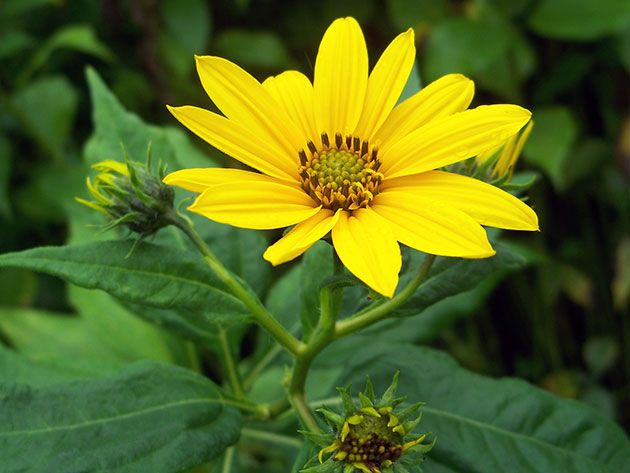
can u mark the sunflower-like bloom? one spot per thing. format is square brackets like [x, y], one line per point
[340, 156]
[375, 436]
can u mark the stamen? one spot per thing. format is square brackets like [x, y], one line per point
[344, 176]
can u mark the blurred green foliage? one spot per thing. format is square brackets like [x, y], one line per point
[562, 323]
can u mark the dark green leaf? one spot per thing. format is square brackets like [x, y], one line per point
[188, 23]
[497, 423]
[583, 20]
[79, 38]
[417, 14]
[152, 275]
[115, 127]
[15, 368]
[450, 276]
[463, 46]
[253, 49]
[550, 143]
[46, 108]
[149, 417]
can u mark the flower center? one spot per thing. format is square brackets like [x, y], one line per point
[372, 443]
[341, 175]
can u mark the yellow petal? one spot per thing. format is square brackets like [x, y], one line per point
[294, 93]
[487, 204]
[341, 76]
[441, 98]
[454, 138]
[237, 141]
[243, 99]
[368, 248]
[301, 237]
[199, 179]
[257, 205]
[431, 226]
[386, 82]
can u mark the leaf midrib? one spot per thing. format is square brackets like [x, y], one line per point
[121, 269]
[122, 417]
[516, 435]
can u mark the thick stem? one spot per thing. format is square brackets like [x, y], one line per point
[382, 311]
[322, 337]
[258, 311]
[229, 365]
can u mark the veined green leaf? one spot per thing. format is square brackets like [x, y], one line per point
[152, 275]
[486, 425]
[450, 276]
[114, 126]
[148, 418]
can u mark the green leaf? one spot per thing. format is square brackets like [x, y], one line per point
[464, 46]
[79, 38]
[46, 108]
[252, 49]
[114, 126]
[450, 276]
[152, 275]
[186, 32]
[149, 417]
[188, 23]
[15, 368]
[417, 14]
[551, 141]
[581, 21]
[14, 42]
[497, 422]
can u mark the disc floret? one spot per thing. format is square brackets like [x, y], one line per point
[342, 174]
[373, 436]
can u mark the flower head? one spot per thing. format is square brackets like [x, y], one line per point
[374, 436]
[130, 195]
[338, 155]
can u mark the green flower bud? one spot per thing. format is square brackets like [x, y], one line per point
[373, 436]
[130, 195]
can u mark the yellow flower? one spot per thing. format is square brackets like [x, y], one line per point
[340, 156]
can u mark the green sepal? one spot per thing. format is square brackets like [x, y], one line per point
[409, 410]
[349, 406]
[319, 439]
[348, 469]
[369, 389]
[334, 419]
[328, 466]
[410, 425]
[388, 396]
[365, 401]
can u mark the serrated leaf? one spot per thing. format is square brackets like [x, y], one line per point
[114, 126]
[149, 417]
[450, 276]
[505, 419]
[152, 275]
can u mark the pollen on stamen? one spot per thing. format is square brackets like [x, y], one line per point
[342, 176]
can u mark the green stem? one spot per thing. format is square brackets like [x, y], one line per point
[322, 337]
[230, 367]
[258, 311]
[271, 437]
[259, 410]
[382, 311]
